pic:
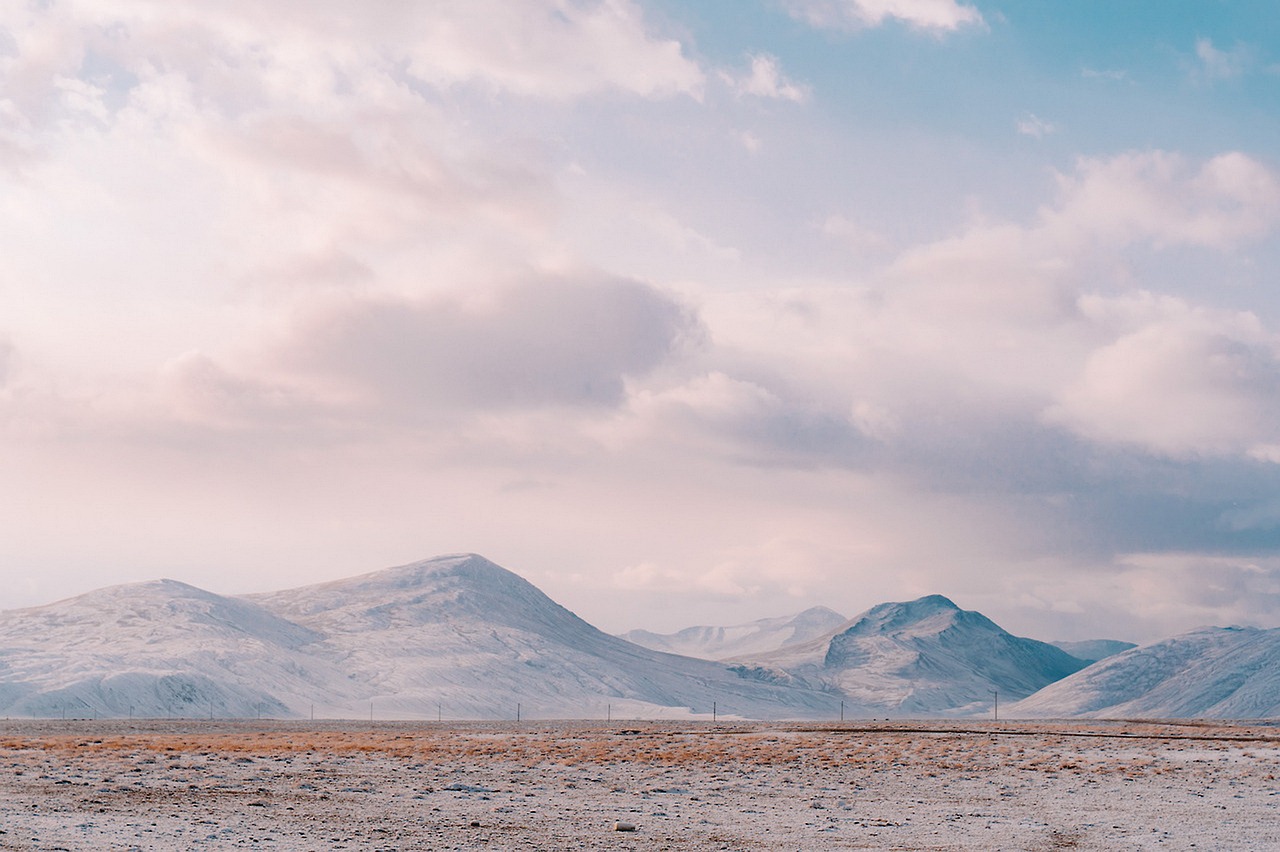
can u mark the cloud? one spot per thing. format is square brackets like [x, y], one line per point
[1217, 64]
[765, 80]
[1139, 596]
[550, 49]
[8, 362]
[750, 141]
[1162, 197]
[746, 421]
[551, 342]
[853, 234]
[1027, 276]
[1104, 358]
[1184, 382]
[203, 393]
[930, 15]
[1034, 126]
[781, 567]
[539, 48]
[68, 68]
[1183, 589]
[1115, 75]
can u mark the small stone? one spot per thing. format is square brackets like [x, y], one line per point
[475, 823]
[623, 826]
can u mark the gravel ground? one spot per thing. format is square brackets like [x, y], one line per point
[182, 784]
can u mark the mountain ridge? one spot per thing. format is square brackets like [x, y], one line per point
[725, 642]
[463, 633]
[455, 631]
[1210, 672]
[924, 657]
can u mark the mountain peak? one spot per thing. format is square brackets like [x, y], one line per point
[932, 610]
[435, 566]
[923, 656]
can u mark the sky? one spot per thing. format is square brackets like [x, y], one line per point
[688, 311]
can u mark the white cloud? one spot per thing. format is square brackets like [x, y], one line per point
[929, 15]
[1153, 198]
[74, 66]
[537, 48]
[1154, 374]
[765, 80]
[319, 203]
[1180, 590]
[853, 234]
[1163, 198]
[1113, 74]
[554, 48]
[1154, 595]
[1218, 64]
[1185, 382]
[780, 567]
[1034, 126]
[8, 362]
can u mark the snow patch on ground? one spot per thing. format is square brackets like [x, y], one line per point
[346, 785]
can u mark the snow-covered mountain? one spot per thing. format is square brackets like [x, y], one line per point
[754, 637]
[462, 632]
[1092, 650]
[1216, 672]
[456, 636]
[154, 649]
[923, 657]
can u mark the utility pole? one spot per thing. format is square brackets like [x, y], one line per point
[517, 712]
[995, 708]
[713, 712]
[841, 711]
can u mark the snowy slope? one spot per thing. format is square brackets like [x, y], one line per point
[1092, 650]
[153, 649]
[1215, 672]
[754, 637]
[923, 657]
[466, 638]
[455, 636]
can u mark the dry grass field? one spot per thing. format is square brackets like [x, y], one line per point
[186, 784]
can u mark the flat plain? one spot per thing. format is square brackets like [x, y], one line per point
[294, 785]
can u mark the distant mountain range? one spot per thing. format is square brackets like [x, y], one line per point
[754, 637]
[1092, 650]
[460, 637]
[455, 637]
[923, 657]
[1213, 672]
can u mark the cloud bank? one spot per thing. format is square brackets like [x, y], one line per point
[630, 305]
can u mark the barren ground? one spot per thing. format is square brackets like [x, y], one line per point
[184, 784]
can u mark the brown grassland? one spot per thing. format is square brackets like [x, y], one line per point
[549, 785]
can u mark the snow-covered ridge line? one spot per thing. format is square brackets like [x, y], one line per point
[1211, 672]
[450, 637]
[753, 637]
[458, 637]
